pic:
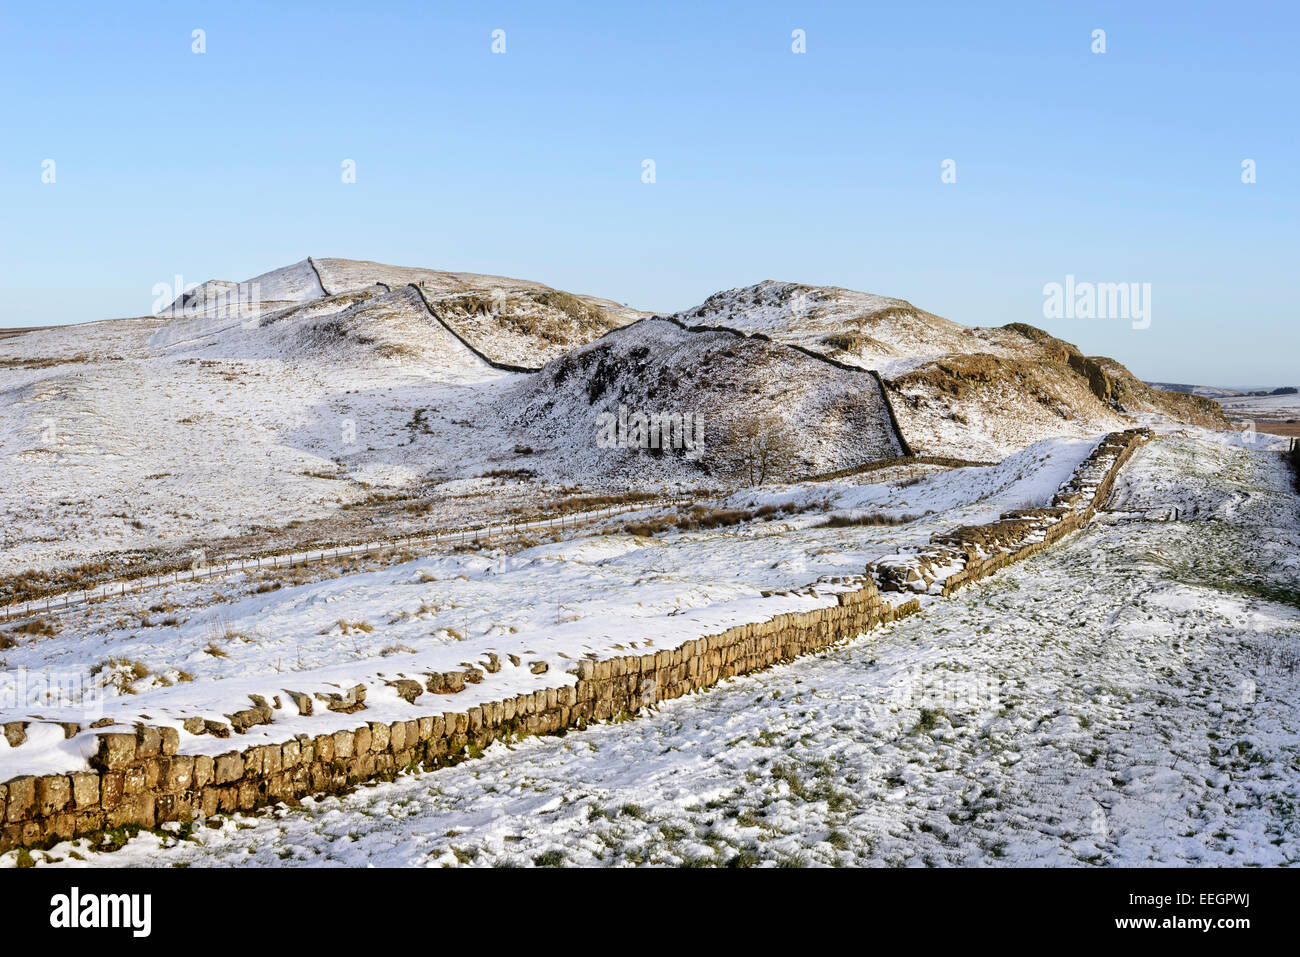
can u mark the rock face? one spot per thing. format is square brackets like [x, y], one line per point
[1119, 389]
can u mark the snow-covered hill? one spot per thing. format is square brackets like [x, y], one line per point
[957, 390]
[1209, 391]
[876, 332]
[290, 398]
[815, 416]
[508, 321]
[284, 399]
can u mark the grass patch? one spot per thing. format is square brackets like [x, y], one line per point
[849, 521]
[121, 673]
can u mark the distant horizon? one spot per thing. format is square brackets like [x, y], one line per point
[655, 157]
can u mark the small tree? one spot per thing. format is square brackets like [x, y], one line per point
[762, 447]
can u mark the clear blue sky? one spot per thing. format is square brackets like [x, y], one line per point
[821, 168]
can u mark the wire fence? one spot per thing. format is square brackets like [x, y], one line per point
[58, 603]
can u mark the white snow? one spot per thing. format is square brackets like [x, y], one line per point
[206, 646]
[1126, 697]
[1088, 705]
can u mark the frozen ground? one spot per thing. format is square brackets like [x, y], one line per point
[1267, 407]
[127, 438]
[281, 421]
[199, 649]
[1127, 697]
[150, 446]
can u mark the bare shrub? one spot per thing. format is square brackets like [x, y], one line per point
[761, 448]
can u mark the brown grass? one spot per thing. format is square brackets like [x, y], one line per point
[698, 517]
[1291, 429]
[44, 629]
[124, 673]
[849, 521]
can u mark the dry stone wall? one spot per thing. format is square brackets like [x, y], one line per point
[957, 557]
[138, 779]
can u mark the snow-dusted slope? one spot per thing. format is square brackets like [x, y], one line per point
[112, 442]
[959, 391]
[511, 321]
[357, 328]
[830, 417]
[1284, 408]
[873, 331]
[210, 422]
[508, 321]
[1209, 391]
[288, 397]
[270, 290]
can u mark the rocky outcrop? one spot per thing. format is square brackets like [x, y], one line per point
[1119, 389]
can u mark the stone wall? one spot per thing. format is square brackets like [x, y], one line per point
[957, 557]
[138, 779]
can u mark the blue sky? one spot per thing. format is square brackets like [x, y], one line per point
[822, 167]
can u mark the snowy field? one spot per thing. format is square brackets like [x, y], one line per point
[141, 451]
[200, 649]
[1127, 697]
[1267, 407]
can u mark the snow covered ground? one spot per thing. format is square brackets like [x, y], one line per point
[199, 649]
[358, 402]
[130, 438]
[1127, 697]
[1270, 407]
[137, 441]
[142, 450]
